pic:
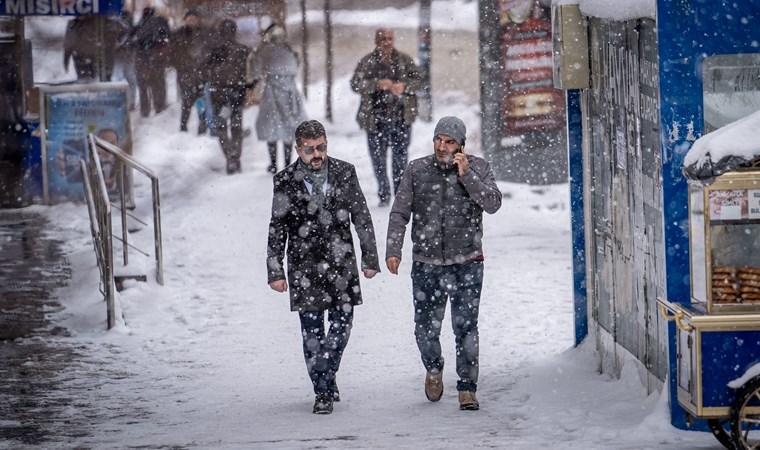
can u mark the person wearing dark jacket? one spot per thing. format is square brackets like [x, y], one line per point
[124, 58]
[228, 72]
[316, 199]
[150, 39]
[82, 44]
[188, 53]
[446, 193]
[387, 81]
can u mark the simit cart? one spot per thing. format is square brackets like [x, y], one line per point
[718, 332]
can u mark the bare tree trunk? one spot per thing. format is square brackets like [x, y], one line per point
[425, 101]
[305, 50]
[328, 61]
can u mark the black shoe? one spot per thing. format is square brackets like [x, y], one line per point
[201, 128]
[384, 202]
[323, 405]
[183, 128]
[272, 169]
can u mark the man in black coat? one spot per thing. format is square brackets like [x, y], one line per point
[315, 201]
[150, 39]
[87, 48]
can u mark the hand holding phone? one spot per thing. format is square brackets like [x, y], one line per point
[461, 161]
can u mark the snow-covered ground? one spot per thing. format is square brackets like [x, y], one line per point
[213, 358]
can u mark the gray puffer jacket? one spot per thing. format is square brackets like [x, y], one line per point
[447, 210]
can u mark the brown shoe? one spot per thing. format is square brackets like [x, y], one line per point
[434, 386]
[468, 401]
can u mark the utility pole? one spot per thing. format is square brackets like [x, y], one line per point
[425, 102]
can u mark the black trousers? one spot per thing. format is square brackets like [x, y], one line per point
[228, 113]
[324, 350]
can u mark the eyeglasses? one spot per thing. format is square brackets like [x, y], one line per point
[310, 149]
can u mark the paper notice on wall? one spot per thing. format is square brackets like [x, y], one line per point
[729, 204]
[753, 201]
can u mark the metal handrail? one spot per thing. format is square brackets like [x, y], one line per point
[127, 162]
[99, 210]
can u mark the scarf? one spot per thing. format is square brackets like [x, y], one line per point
[317, 179]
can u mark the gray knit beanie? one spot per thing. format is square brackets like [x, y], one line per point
[451, 126]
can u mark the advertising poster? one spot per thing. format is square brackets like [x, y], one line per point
[69, 116]
[531, 103]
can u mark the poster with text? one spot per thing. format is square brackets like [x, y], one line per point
[69, 117]
[728, 204]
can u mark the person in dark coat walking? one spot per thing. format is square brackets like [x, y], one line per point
[124, 58]
[444, 195]
[83, 44]
[281, 109]
[228, 72]
[150, 39]
[316, 199]
[188, 53]
[387, 81]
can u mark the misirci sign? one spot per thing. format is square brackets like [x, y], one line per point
[59, 7]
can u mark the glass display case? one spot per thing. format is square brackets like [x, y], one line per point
[724, 237]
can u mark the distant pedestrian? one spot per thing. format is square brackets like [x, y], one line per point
[124, 58]
[281, 109]
[150, 39]
[14, 137]
[387, 81]
[445, 195]
[228, 71]
[316, 199]
[91, 50]
[189, 51]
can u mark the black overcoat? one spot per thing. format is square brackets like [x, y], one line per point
[321, 261]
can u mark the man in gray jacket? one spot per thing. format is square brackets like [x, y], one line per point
[446, 193]
[387, 80]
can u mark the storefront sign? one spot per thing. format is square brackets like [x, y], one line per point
[59, 7]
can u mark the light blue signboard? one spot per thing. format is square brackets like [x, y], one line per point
[70, 113]
[59, 7]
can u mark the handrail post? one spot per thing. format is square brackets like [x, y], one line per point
[157, 233]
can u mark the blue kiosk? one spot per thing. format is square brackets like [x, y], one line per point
[644, 81]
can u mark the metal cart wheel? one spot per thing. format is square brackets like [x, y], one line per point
[745, 416]
[721, 429]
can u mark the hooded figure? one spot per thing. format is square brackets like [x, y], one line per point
[281, 109]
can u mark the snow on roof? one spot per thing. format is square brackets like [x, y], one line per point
[740, 139]
[614, 9]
